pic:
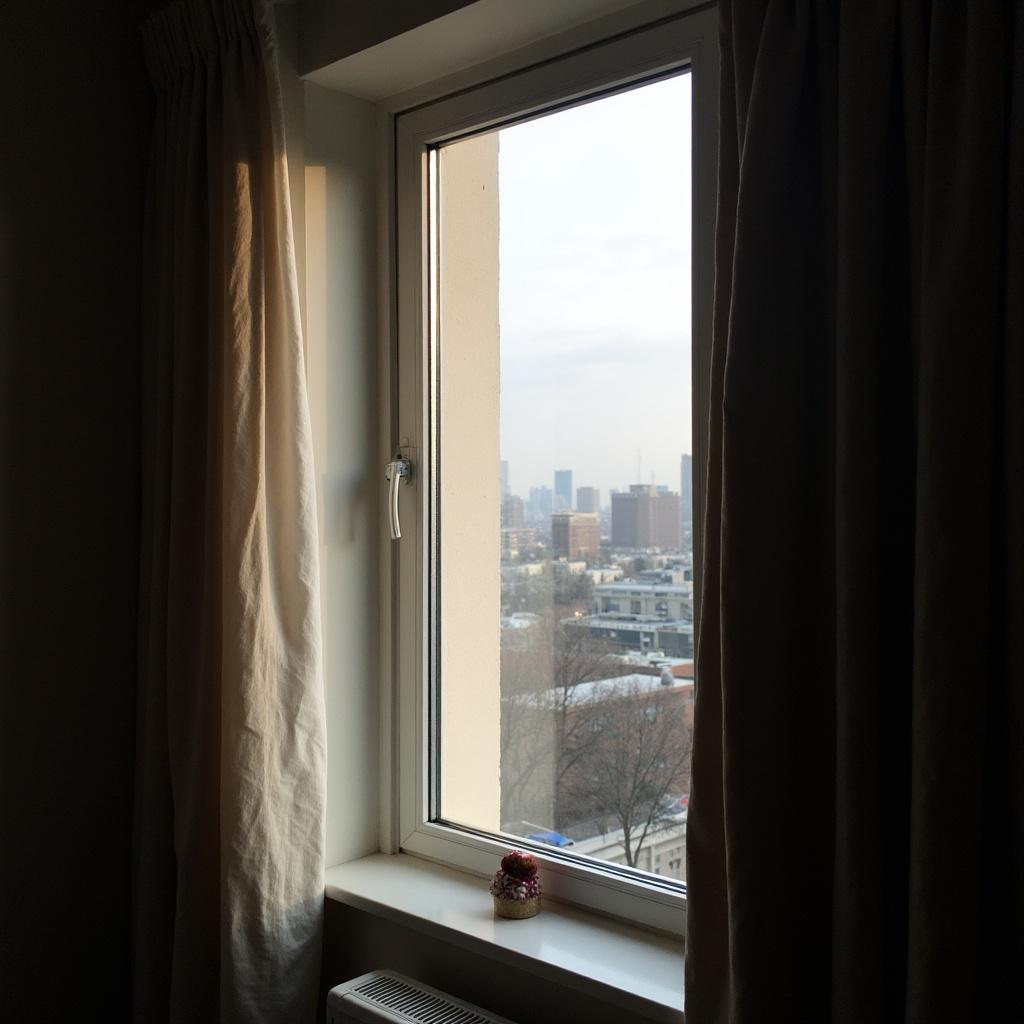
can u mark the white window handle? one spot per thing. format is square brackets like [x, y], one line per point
[400, 469]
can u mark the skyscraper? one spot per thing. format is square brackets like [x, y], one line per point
[575, 535]
[643, 517]
[512, 517]
[504, 478]
[563, 490]
[539, 505]
[668, 523]
[588, 499]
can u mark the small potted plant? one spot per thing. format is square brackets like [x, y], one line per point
[516, 887]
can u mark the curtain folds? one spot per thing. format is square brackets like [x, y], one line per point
[856, 824]
[231, 751]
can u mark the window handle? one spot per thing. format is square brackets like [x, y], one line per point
[396, 472]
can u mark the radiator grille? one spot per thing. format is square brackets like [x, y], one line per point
[415, 1004]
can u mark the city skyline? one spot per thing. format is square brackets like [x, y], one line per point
[594, 291]
[523, 491]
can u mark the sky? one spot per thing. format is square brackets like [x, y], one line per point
[595, 291]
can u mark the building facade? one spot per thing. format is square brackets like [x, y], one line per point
[644, 517]
[668, 522]
[563, 490]
[539, 505]
[512, 513]
[588, 499]
[575, 535]
[663, 852]
[642, 615]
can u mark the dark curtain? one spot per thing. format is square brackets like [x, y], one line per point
[856, 827]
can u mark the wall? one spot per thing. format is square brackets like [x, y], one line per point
[76, 114]
[470, 482]
[341, 332]
[358, 942]
[332, 30]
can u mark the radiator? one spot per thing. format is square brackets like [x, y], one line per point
[386, 997]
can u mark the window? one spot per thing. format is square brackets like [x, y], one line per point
[553, 300]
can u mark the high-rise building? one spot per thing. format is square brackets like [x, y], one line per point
[512, 513]
[668, 522]
[588, 499]
[563, 490]
[631, 521]
[540, 505]
[575, 535]
[504, 478]
[645, 517]
[686, 487]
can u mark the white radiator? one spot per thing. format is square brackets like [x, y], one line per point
[386, 997]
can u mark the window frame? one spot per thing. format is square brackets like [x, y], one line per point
[685, 41]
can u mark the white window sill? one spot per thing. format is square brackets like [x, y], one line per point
[636, 970]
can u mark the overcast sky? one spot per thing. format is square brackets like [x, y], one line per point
[595, 291]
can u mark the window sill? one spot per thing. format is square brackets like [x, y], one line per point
[636, 970]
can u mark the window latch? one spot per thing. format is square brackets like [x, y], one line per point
[396, 472]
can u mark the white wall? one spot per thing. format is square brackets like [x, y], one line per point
[470, 484]
[341, 332]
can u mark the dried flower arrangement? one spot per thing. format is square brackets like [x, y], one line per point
[516, 887]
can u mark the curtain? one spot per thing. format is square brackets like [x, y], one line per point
[228, 886]
[856, 825]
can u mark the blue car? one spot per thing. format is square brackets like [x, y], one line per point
[551, 838]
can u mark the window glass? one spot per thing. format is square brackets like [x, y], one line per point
[564, 490]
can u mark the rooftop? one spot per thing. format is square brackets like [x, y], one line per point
[646, 586]
[653, 622]
[633, 685]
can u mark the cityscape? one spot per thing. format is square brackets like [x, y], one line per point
[597, 667]
[564, 269]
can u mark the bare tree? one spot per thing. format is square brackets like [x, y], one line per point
[639, 755]
[578, 658]
[583, 742]
[527, 750]
[571, 592]
[544, 714]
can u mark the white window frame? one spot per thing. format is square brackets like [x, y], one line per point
[690, 41]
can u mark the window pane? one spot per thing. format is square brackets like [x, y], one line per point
[564, 631]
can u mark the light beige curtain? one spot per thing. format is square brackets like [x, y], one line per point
[230, 783]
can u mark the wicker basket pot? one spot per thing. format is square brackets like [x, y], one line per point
[517, 910]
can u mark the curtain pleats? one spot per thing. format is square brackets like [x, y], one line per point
[856, 823]
[230, 790]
